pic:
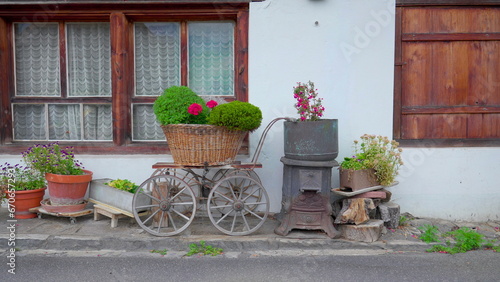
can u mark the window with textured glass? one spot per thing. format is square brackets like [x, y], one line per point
[38, 71]
[210, 65]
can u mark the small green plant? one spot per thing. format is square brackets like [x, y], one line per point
[172, 107]
[203, 249]
[19, 178]
[430, 233]
[161, 252]
[403, 221]
[236, 115]
[465, 239]
[52, 158]
[123, 184]
[378, 153]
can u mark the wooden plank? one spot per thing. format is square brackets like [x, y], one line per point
[484, 126]
[241, 56]
[111, 208]
[180, 166]
[406, 110]
[446, 2]
[120, 87]
[450, 20]
[434, 126]
[450, 36]
[5, 84]
[398, 71]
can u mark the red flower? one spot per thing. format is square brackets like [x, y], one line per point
[211, 104]
[195, 109]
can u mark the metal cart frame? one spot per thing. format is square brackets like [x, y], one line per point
[236, 202]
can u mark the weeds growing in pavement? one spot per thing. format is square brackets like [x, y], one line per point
[430, 233]
[161, 252]
[203, 249]
[465, 239]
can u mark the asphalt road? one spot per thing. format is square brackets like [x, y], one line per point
[472, 266]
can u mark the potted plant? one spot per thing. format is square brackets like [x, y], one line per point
[376, 161]
[200, 133]
[23, 187]
[310, 137]
[67, 181]
[118, 193]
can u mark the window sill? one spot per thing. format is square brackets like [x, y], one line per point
[152, 148]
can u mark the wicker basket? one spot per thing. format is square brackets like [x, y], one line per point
[200, 144]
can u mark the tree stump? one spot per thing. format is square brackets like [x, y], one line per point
[367, 232]
[390, 214]
[355, 211]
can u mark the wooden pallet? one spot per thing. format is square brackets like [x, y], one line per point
[72, 215]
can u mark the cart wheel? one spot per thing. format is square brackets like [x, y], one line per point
[186, 175]
[222, 173]
[72, 220]
[246, 212]
[164, 205]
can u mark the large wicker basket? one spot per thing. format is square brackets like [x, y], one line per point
[203, 144]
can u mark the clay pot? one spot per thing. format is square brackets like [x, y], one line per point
[68, 189]
[357, 179]
[25, 200]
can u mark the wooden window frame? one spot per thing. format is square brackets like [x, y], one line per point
[398, 65]
[121, 17]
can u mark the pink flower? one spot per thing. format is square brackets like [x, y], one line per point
[195, 109]
[211, 104]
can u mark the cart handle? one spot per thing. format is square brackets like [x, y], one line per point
[263, 137]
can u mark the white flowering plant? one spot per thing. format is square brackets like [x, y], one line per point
[378, 153]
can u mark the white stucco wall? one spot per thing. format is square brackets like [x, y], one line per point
[349, 54]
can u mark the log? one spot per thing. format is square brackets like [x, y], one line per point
[355, 211]
[390, 214]
[367, 232]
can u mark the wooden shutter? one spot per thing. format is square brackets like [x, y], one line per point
[450, 73]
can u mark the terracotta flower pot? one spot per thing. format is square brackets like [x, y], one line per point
[25, 200]
[357, 179]
[68, 189]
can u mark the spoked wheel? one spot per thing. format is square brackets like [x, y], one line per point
[223, 173]
[164, 205]
[186, 175]
[245, 213]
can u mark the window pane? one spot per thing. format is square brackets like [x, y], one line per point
[157, 57]
[89, 55]
[29, 122]
[37, 59]
[97, 122]
[145, 126]
[64, 122]
[211, 58]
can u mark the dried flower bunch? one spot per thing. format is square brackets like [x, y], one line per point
[376, 152]
[51, 158]
[308, 104]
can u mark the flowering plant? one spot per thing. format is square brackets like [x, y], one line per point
[20, 178]
[308, 104]
[51, 158]
[378, 153]
[196, 109]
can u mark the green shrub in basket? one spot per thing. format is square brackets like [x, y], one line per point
[236, 115]
[171, 107]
